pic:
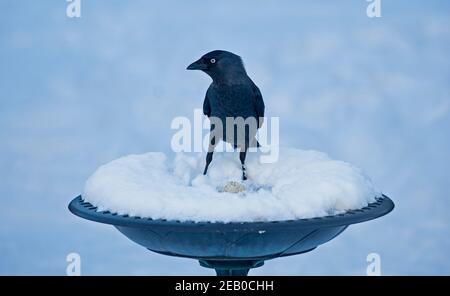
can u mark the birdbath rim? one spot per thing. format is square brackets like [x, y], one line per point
[380, 207]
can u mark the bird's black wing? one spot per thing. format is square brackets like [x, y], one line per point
[206, 106]
[258, 104]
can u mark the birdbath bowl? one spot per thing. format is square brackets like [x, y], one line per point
[232, 248]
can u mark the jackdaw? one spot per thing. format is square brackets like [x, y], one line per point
[233, 103]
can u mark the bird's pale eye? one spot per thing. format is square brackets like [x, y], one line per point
[213, 61]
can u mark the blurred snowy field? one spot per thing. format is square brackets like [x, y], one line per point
[76, 93]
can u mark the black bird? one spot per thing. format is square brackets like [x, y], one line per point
[232, 94]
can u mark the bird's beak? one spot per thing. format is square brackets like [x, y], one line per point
[197, 65]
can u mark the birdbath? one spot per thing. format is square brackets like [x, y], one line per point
[232, 248]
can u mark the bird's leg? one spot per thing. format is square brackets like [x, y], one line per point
[211, 146]
[242, 156]
[209, 157]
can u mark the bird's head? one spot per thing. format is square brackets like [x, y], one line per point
[220, 65]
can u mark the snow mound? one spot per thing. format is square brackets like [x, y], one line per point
[301, 184]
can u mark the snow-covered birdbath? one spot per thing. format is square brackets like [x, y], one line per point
[284, 208]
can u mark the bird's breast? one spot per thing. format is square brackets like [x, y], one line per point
[231, 101]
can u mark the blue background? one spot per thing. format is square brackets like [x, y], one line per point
[76, 93]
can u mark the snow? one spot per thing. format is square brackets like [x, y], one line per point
[301, 184]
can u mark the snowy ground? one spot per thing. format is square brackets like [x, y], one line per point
[75, 94]
[301, 184]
